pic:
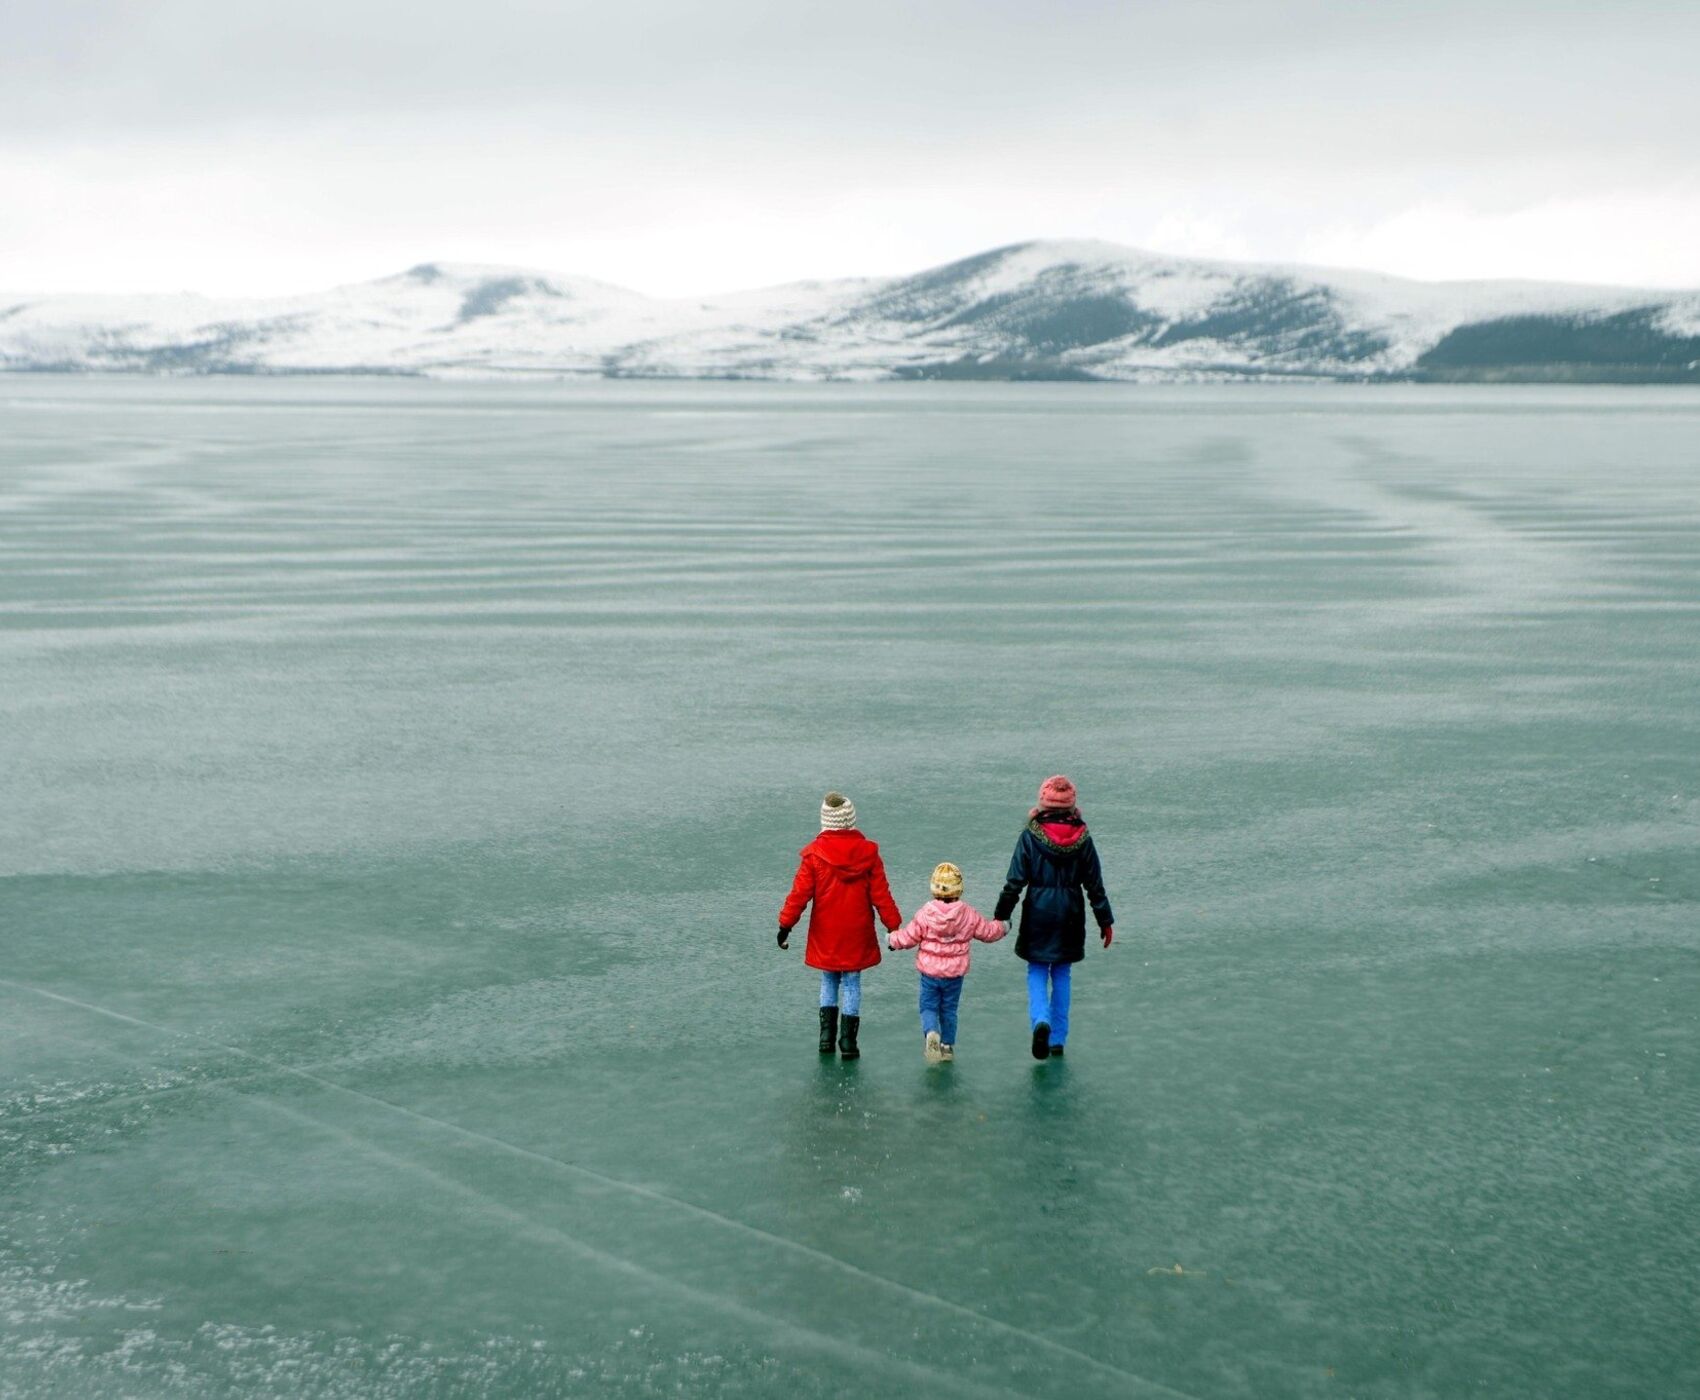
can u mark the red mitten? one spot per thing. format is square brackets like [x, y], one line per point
[1107, 933]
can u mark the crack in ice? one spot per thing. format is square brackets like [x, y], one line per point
[647, 1193]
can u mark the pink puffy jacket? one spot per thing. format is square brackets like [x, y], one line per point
[944, 933]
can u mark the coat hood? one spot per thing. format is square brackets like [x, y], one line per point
[935, 916]
[1063, 836]
[848, 852]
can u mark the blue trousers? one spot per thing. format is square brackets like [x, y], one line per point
[1047, 998]
[939, 996]
[843, 990]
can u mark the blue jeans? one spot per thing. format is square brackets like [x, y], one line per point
[939, 996]
[843, 990]
[1047, 998]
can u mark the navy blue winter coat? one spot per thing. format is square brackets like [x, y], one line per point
[1055, 871]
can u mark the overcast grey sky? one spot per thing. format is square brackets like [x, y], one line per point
[229, 146]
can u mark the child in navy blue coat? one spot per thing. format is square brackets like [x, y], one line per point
[1056, 863]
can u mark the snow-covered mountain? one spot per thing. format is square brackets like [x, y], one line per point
[1047, 310]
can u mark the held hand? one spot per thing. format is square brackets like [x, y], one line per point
[784, 939]
[1107, 934]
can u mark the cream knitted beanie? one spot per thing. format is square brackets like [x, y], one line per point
[837, 813]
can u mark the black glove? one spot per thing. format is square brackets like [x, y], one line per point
[784, 938]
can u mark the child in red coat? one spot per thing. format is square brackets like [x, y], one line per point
[842, 875]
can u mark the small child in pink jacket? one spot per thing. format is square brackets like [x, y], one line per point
[943, 930]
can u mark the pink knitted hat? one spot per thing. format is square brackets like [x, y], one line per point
[1055, 792]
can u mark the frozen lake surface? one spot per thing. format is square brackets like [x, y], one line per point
[401, 779]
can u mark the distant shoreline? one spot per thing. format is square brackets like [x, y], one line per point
[1511, 376]
[1044, 312]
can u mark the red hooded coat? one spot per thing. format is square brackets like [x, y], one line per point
[842, 874]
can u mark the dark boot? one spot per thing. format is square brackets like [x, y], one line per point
[828, 1028]
[1042, 1041]
[848, 1026]
[1056, 1052]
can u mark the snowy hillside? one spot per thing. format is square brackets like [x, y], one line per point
[1035, 310]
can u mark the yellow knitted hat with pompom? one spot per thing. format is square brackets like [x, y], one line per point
[947, 881]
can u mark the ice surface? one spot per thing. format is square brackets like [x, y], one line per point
[401, 780]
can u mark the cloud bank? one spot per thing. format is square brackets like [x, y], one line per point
[682, 148]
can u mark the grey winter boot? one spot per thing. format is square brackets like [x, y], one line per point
[828, 1029]
[848, 1026]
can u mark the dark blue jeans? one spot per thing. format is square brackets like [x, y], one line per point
[939, 996]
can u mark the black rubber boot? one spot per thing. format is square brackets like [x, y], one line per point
[1042, 1041]
[828, 1029]
[847, 1028]
[1056, 1052]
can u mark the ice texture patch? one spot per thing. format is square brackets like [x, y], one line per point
[529, 1023]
